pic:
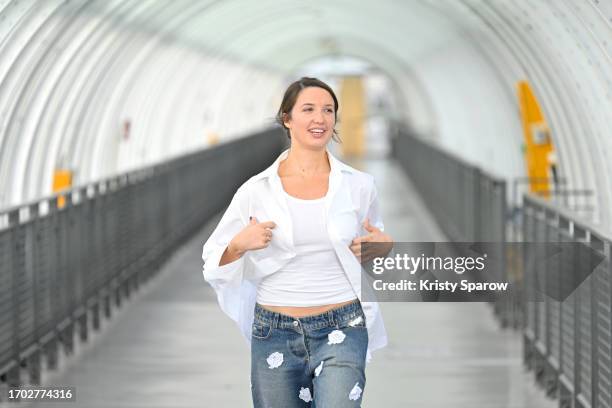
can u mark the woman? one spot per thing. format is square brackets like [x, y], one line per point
[284, 261]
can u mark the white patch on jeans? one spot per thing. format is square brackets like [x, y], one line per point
[356, 321]
[275, 359]
[355, 392]
[336, 337]
[305, 394]
[318, 369]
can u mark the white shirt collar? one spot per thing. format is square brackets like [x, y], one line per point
[336, 166]
[271, 174]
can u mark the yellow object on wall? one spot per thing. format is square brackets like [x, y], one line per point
[538, 143]
[212, 138]
[352, 102]
[62, 180]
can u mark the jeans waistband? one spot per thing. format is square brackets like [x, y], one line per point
[330, 318]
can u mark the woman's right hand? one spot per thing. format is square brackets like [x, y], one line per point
[256, 235]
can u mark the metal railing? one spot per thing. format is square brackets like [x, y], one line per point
[60, 268]
[568, 343]
[468, 204]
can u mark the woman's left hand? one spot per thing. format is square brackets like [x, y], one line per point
[371, 251]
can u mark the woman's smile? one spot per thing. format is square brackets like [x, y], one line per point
[317, 132]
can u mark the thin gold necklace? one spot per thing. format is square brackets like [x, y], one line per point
[301, 170]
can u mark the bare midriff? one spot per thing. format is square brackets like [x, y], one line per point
[302, 311]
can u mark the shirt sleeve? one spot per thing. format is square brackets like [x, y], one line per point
[233, 221]
[373, 212]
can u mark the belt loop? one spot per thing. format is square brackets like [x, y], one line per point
[332, 321]
[275, 318]
[257, 311]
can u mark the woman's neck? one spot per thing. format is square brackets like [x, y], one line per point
[307, 162]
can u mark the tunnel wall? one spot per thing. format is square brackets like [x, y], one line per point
[186, 74]
[563, 50]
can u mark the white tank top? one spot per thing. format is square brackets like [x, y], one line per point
[314, 277]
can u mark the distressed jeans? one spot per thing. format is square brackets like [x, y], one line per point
[313, 361]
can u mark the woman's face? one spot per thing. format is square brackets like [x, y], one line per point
[312, 118]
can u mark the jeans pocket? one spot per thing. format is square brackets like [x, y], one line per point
[261, 330]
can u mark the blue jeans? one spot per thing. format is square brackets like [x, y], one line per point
[313, 361]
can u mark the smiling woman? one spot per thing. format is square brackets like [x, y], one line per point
[299, 224]
[300, 103]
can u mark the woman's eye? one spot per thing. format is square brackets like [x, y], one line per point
[326, 110]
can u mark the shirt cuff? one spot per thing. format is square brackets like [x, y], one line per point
[228, 274]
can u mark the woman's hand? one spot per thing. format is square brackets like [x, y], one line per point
[256, 235]
[371, 251]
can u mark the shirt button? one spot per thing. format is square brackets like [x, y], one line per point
[295, 323]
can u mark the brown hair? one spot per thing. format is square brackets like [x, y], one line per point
[291, 95]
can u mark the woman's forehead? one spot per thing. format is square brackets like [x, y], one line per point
[315, 96]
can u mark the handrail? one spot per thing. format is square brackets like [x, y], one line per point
[62, 268]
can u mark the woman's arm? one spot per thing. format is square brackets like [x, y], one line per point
[235, 219]
[229, 255]
[374, 228]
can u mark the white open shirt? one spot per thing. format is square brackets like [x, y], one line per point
[351, 198]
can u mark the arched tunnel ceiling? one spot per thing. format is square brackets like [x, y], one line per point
[393, 35]
[281, 34]
[73, 71]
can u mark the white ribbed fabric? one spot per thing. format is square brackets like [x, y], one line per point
[315, 276]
